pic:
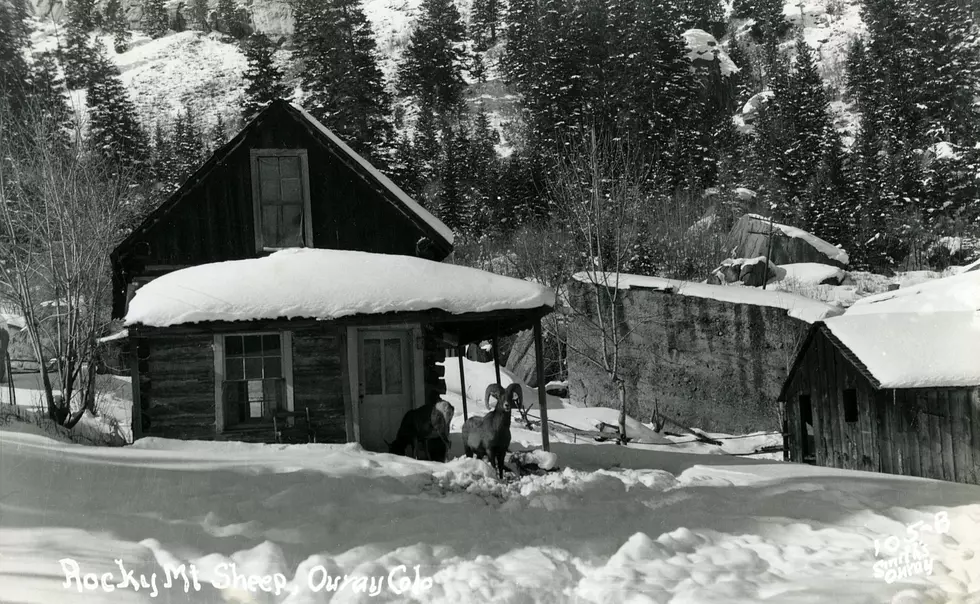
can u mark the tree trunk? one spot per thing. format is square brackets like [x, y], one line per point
[621, 386]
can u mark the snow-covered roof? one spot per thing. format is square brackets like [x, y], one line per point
[325, 285]
[795, 305]
[830, 250]
[436, 224]
[927, 335]
[12, 319]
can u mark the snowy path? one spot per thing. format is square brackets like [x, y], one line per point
[733, 531]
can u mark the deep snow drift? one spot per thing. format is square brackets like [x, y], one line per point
[644, 523]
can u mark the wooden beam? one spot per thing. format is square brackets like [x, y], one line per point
[134, 367]
[462, 380]
[496, 361]
[542, 394]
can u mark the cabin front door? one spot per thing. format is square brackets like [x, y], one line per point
[385, 384]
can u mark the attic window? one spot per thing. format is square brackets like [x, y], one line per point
[281, 199]
[850, 405]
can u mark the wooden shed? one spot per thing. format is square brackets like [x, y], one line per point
[290, 292]
[892, 385]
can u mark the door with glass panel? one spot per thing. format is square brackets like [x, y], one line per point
[384, 368]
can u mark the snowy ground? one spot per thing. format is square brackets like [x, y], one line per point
[645, 523]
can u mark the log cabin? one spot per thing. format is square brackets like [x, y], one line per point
[290, 292]
[892, 385]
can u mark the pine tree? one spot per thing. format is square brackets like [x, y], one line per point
[232, 20]
[115, 23]
[263, 78]
[432, 66]
[199, 14]
[219, 133]
[14, 39]
[82, 15]
[48, 93]
[161, 166]
[485, 18]
[188, 144]
[156, 22]
[342, 83]
[79, 59]
[114, 129]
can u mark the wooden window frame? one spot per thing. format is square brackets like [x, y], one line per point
[256, 197]
[286, 346]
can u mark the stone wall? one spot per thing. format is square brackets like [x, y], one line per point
[708, 364]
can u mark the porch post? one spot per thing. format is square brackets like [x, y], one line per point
[462, 379]
[134, 372]
[542, 394]
[496, 360]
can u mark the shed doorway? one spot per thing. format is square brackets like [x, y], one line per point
[807, 441]
[385, 385]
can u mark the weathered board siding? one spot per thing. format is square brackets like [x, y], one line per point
[319, 382]
[927, 432]
[706, 363]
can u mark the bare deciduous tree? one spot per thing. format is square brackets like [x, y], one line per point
[598, 188]
[61, 211]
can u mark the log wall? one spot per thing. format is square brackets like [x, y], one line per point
[176, 389]
[927, 432]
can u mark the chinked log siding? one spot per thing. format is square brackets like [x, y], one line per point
[177, 390]
[927, 432]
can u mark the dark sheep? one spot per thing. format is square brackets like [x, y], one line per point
[490, 435]
[425, 428]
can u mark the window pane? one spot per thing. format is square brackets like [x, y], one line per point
[253, 346]
[269, 191]
[235, 402]
[234, 369]
[393, 367]
[273, 367]
[273, 395]
[289, 167]
[233, 346]
[372, 367]
[291, 191]
[268, 168]
[291, 228]
[270, 344]
[271, 217]
[255, 399]
[253, 368]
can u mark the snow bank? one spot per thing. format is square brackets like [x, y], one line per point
[795, 305]
[660, 527]
[831, 251]
[927, 335]
[325, 284]
[812, 273]
[704, 47]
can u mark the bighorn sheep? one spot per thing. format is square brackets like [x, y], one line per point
[425, 428]
[514, 394]
[490, 435]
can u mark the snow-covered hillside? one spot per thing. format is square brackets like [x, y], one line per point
[203, 72]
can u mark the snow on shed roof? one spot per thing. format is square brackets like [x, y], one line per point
[828, 249]
[796, 306]
[325, 285]
[386, 182]
[927, 335]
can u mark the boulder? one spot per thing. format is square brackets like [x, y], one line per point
[750, 238]
[747, 271]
